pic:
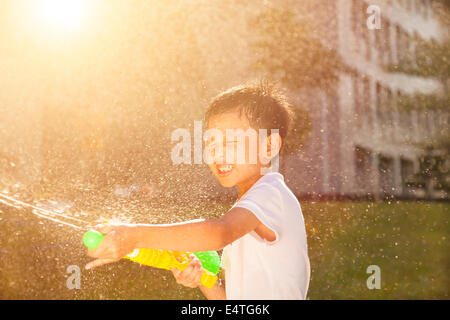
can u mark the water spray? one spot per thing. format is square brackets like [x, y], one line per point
[45, 213]
[163, 259]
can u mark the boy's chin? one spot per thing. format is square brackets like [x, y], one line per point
[227, 183]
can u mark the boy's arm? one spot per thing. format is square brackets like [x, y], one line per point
[190, 236]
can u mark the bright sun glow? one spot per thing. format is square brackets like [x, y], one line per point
[62, 14]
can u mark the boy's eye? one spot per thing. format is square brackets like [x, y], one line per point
[214, 144]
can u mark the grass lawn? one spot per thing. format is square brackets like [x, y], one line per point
[409, 241]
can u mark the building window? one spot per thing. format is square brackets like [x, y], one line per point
[365, 33]
[387, 54]
[379, 45]
[378, 100]
[386, 171]
[407, 172]
[409, 5]
[357, 100]
[388, 106]
[399, 42]
[427, 125]
[409, 49]
[366, 101]
[355, 19]
[418, 6]
[362, 167]
[426, 9]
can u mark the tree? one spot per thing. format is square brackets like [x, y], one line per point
[432, 59]
[287, 50]
[434, 167]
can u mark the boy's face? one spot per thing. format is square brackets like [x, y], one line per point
[239, 166]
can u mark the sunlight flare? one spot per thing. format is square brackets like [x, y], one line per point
[62, 14]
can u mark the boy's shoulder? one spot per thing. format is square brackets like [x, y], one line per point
[271, 190]
[272, 182]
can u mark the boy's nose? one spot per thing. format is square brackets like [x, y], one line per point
[223, 156]
[219, 159]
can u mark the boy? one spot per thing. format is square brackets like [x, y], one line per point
[263, 234]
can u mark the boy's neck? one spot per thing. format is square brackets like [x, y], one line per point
[247, 184]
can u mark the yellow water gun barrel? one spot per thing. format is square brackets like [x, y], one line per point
[165, 259]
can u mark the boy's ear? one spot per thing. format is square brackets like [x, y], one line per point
[273, 145]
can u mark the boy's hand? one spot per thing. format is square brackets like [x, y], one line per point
[189, 277]
[117, 243]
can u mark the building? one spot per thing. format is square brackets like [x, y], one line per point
[382, 143]
[370, 147]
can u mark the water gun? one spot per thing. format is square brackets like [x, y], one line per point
[165, 259]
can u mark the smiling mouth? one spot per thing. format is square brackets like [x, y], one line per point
[224, 170]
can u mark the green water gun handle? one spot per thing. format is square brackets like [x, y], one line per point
[165, 259]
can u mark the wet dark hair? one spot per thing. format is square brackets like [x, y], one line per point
[263, 103]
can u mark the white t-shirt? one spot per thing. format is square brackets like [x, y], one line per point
[257, 269]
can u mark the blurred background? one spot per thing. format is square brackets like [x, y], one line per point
[90, 92]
